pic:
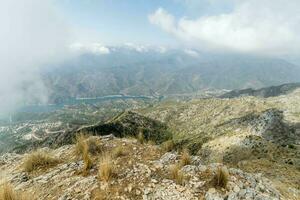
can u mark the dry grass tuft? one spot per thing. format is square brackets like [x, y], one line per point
[80, 143]
[106, 168]
[38, 160]
[185, 158]
[8, 193]
[221, 178]
[168, 146]
[84, 147]
[94, 146]
[119, 151]
[86, 158]
[141, 138]
[176, 174]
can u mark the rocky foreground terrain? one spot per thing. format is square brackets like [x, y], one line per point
[140, 171]
[215, 148]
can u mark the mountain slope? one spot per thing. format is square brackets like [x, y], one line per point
[255, 134]
[263, 92]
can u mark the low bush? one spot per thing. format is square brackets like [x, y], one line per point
[141, 138]
[168, 145]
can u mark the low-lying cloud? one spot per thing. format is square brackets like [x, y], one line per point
[32, 34]
[96, 48]
[259, 26]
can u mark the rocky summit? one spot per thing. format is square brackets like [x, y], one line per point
[142, 171]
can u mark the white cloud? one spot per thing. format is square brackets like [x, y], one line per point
[162, 49]
[164, 20]
[95, 48]
[191, 52]
[137, 47]
[145, 48]
[262, 26]
[32, 33]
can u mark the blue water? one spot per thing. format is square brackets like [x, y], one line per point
[74, 101]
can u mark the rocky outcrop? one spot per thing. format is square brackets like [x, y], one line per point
[268, 124]
[131, 124]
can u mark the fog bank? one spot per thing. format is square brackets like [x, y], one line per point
[32, 34]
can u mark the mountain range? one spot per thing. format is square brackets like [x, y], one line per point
[151, 72]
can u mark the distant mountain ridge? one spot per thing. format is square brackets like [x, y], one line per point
[151, 72]
[263, 92]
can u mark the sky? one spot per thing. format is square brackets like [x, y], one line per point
[115, 22]
[35, 33]
[127, 21]
[252, 26]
